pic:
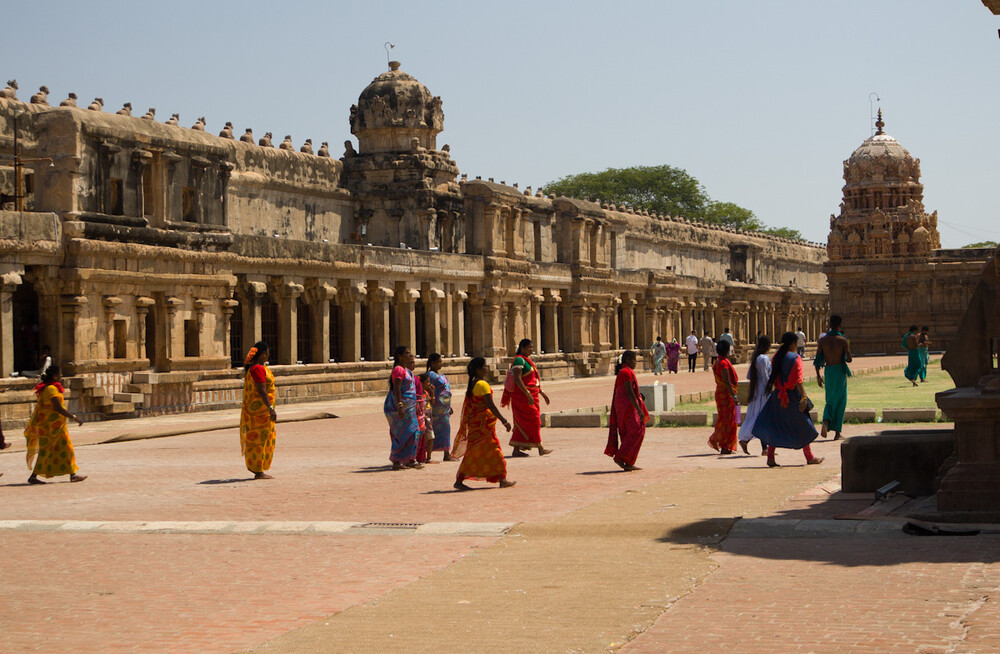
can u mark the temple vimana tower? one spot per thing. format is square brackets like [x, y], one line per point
[148, 255]
[886, 267]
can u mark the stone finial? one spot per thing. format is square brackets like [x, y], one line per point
[394, 65]
[96, 105]
[879, 124]
[324, 150]
[199, 124]
[150, 114]
[42, 97]
[247, 136]
[10, 91]
[349, 149]
[126, 110]
[174, 119]
[445, 148]
[465, 177]
[70, 101]
[307, 147]
[227, 131]
[265, 141]
[287, 143]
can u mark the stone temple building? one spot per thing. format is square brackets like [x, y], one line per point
[149, 256]
[886, 268]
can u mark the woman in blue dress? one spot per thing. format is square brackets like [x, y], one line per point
[441, 410]
[401, 412]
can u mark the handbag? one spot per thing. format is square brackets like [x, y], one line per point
[809, 406]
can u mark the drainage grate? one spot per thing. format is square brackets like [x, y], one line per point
[390, 525]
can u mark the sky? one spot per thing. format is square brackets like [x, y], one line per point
[760, 101]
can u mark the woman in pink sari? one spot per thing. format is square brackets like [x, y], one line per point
[628, 415]
[673, 355]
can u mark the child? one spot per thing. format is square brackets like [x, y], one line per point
[425, 407]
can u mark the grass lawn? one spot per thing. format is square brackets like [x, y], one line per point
[875, 391]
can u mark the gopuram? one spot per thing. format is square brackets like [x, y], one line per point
[148, 256]
[886, 268]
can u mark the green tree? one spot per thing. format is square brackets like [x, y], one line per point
[663, 189]
[732, 215]
[784, 232]
[981, 244]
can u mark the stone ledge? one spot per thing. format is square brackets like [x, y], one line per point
[860, 415]
[915, 414]
[685, 418]
[574, 420]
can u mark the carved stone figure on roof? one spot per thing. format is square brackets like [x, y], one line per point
[96, 105]
[287, 143]
[265, 141]
[307, 147]
[349, 150]
[247, 136]
[126, 109]
[42, 97]
[199, 124]
[70, 101]
[9, 91]
[174, 119]
[227, 131]
[150, 114]
[324, 150]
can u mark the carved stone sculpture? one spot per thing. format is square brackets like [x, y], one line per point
[126, 109]
[307, 147]
[324, 150]
[199, 124]
[42, 97]
[349, 150]
[10, 91]
[266, 141]
[174, 119]
[247, 136]
[96, 105]
[70, 101]
[287, 143]
[150, 114]
[227, 131]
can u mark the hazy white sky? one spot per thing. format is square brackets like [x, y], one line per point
[761, 101]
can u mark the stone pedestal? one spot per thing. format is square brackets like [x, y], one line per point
[971, 479]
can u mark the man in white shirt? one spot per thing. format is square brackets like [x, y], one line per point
[692, 347]
[801, 335]
[707, 351]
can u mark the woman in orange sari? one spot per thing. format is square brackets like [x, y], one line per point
[724, 437]
[476, 442]
[46, 433]
[628, 415]
[521, 391]
[257, 433]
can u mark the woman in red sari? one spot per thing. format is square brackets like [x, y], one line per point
[476, 442]
[521, 390]
[724, 437]
[628, 415]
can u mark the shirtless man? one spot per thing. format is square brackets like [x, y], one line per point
[833, 352]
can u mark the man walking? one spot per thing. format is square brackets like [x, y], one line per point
[801, 345]
[834, 352]
[707, 347]
[923, 348]
[912, 346]
[692, 347]
[726, 336]
[658, 350]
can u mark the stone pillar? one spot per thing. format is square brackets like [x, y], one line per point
[406, 317]
[432, 298]
[378, 309]
[8, 285]
[142, 305]
[253, 294]
[199, 318]
[227, 307]
[628, 324]
[580, 328]
[476, 319]
[319, 295]
[173, 334]
[458, 323]
[350, 298]
[447, 324]
[493, 345]
[71, 307]
[535, 319]
[550, 335]
[288, 336]
[110, 304]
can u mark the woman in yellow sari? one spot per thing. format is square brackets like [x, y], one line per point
[257, 434]
[46, 433]
[476, 442]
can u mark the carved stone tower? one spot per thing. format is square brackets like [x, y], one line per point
[406, 187]
[882, 214]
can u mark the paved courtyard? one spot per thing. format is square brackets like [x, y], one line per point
[169, 547]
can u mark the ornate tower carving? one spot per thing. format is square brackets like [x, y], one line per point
[882, 213]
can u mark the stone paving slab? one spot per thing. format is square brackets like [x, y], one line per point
[785, 528]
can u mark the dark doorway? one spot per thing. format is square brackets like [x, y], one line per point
[419, 315]
[236, 338]
[150, 344]
[366, 337]
[303, 319]
[27, 332]
[334, 332]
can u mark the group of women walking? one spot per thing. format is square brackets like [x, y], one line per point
[778, 411]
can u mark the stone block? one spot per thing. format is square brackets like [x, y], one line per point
[916, 414]
[909, 457]
[575, 420]
[119, 408]
[743, 391]
[684, 418]
[134, 398]
[860, 415]
[144, 377]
